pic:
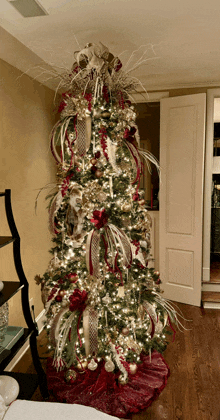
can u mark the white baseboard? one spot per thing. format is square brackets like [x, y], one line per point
[40, 323]
[211, 287]
[211, 305]
[206, 274]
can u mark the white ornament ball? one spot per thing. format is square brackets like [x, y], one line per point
[92, 365]
[1, 285]
[9, 388]
[109, 366]
[133, 368]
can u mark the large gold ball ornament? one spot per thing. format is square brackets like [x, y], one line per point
[133, 368]
[123, 380]
[98, 173]
[70, 376]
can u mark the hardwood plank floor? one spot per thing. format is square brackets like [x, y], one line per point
[193, 388]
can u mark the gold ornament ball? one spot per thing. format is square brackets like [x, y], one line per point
[141, 202]
[157, 273]
[70, 376]
[126, 207]
[122, 380]
[125, 331]
[133, 368]
[81, 366]
[105, 114]
[62, 292]
[93, 161]
[98, 173]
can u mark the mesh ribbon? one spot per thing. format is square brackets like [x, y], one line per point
[90, 329]
[83, 128]
[92, 253]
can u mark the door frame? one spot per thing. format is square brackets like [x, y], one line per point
[211, 95]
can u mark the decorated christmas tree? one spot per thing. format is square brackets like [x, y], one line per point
[107, 322]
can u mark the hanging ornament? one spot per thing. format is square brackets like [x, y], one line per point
[141, 202]
[106, 299]
[82, 365]
[123, 380]
[98, 173]
[126, 207]
[121, 291]
[93, 161]
[97, 154]
[105, 114]
[70, 376]
[133, 368]
[125, 331]
[92, 365]
[109, 366]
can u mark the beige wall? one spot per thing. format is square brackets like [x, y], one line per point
[26, 165]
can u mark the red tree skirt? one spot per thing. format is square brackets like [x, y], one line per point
[101, 390]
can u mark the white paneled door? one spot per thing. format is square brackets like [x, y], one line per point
[182, 141]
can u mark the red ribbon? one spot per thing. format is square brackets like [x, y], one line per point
[103, 133]
[78, 303]
[65, 185]
[116, 270]
[100, 218]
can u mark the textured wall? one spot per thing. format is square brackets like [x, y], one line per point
[26, 165]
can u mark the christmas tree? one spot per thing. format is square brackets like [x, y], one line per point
[107, 322]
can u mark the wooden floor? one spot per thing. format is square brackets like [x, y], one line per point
[215, 271]
[193, 388]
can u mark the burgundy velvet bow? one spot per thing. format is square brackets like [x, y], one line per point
[78, 300]
[129, 133]
[100, 218]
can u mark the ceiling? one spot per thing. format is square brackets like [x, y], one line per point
[180, 39]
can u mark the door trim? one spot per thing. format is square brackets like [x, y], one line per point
[211, 95]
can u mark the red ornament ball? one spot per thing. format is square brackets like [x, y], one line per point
[136, 197]
[97, 154]
[58, 298]
[94, 169]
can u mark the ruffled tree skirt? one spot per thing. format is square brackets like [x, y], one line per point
[101, 389]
